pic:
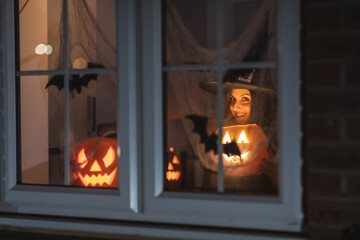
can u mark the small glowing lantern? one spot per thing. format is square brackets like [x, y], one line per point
[174, 171]
[245, 147]
[95, 163]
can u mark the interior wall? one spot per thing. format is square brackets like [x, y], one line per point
[34, 100]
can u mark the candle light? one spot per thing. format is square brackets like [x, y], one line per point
[247, 138]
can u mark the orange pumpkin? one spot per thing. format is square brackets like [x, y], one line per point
[174, 171]
[94, 163]
[252, 149]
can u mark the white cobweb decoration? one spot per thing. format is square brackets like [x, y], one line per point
[182, 48]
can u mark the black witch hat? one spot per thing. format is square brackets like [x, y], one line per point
[244, 79]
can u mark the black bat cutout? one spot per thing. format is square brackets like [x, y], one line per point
[200, 125]
[76, 82]
[231, 149]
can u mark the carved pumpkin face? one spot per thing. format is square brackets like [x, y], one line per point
[96, 163]
[245, 146]
[173, 172]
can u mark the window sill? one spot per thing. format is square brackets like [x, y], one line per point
[18, 226]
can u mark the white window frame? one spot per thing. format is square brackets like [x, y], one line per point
[49, 200]
[281, 213]
[140, 197]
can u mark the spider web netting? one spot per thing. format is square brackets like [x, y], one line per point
[92, 44]
[87, 33]
[181, 48]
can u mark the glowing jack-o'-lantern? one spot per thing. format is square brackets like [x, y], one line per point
[174, 171]
[95, 163]
[245, 148]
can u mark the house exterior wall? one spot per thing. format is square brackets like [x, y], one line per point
[331, 123]
[331, 114]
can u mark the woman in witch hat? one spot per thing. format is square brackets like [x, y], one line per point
[249, 99]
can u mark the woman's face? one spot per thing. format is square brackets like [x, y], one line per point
[240, 105]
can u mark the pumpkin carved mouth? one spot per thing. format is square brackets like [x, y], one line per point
[95, 163]
[173, 175]
[99, 179]
[236, 159]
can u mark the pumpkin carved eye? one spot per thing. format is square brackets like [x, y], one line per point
[109, 157]
[170, 167]
[226, 138]
[82, 159]
[176, 160]
[243, 138]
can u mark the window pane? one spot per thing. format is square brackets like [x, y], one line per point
[39, 34]
[41, 158]
[92, 33]
[249, 31]
[93, 145]
[250, 132]
[191, 114]
[190, 35]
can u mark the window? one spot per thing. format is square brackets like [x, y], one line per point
[66, 131]
[157, 66]
[274, 211]
[234, 47]
[68, 128]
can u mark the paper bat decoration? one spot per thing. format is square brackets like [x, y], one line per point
[200, 125]
[76, 81]
[231, 149]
